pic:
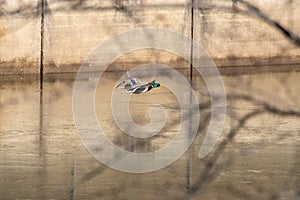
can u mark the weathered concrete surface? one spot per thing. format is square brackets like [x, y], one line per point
[235, 38]
[20, 37]
[71, 36]
[72, 29]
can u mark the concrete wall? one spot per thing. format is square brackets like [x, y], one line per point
[71, 36]
[72, 29]
[20, 37]
[236, 38]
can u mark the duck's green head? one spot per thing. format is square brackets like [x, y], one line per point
[155, 85]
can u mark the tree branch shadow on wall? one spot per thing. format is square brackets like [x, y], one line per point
[132, 8]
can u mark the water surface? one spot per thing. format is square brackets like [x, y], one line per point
[256, 157]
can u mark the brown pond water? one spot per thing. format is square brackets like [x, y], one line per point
[256, 157]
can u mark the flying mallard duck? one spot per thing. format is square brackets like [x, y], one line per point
[135, 86]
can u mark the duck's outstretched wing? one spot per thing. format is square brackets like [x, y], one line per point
[129, 82]
[121, 83]
[134, 80]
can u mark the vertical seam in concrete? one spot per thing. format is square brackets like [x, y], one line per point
[41, 110]
[190, 151]
[42, 44]
[192, 39]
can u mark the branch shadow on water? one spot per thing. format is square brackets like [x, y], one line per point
[212, 166]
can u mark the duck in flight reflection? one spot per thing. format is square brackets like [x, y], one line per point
[135, 86]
